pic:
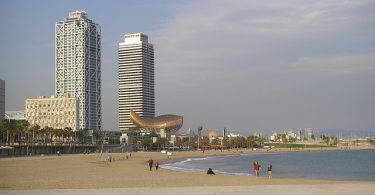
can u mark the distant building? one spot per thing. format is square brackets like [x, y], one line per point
[55, 112]
[274, 137]
[2, 99]
[290, 135]
[136, 79]
[258, 135]
[78, 66]
[307, 134]
[212, 135]
[109, 137]
[14, 116]
[233, 135]
[185, 133]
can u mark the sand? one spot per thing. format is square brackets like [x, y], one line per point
[322, 189]
[91, 171]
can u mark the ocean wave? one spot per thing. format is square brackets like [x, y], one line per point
[204, 158]
[188, 160]
[232, 173]
[175, 168]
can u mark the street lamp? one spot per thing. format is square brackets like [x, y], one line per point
[199, 134]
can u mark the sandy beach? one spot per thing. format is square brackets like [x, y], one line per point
[91, 171]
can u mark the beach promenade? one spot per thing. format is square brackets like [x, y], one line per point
[91, 174]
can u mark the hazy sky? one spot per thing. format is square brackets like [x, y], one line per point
[244, 65]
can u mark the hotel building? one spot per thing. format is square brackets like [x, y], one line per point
[55, 112]
[136, 79]
[77, 66]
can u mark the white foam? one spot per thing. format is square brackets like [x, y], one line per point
[174, 168]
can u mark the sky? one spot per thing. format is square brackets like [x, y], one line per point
[248, 66]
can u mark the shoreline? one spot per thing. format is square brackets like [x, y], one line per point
[90, 171]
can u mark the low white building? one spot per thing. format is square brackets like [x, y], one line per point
[233, 135]
[273, 137]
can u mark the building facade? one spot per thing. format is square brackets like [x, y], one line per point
[55, 112]
[78, 66]
[2, 99]
[212, 135]
[307, 134]
[136, 79]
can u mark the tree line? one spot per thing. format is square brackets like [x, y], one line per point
[191, 142]
[23, 132]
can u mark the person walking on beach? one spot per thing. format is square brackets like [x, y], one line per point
[256, 167]
[150, 163]
[156, 164]
[269, 171]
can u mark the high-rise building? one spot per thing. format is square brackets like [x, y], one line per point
[136, 79]
[55, 112]
[77, 64]
[2, 99]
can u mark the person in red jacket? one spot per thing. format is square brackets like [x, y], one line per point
[256, 167]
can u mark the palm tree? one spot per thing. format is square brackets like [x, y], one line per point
[13, 132]
[179, 142]
[95, 136]
[161, 142]
[205, 141]
[21, 128]
[58, 134]
[49, 131]
[35, 130]
[370, 141]
[225, 142]
[79, 136]
[4, 126]
[67, 134]
[85, 134]
[284, 138]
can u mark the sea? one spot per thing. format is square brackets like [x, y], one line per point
[330, 165]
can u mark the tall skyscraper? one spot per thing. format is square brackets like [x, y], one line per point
[136, 79]
[77, 63]
[2, 99]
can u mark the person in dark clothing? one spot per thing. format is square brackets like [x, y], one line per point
[156, 165]
[210, 172]
[269, 171]
[150, 163]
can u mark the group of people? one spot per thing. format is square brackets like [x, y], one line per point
[257, 167]
[151, 163]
